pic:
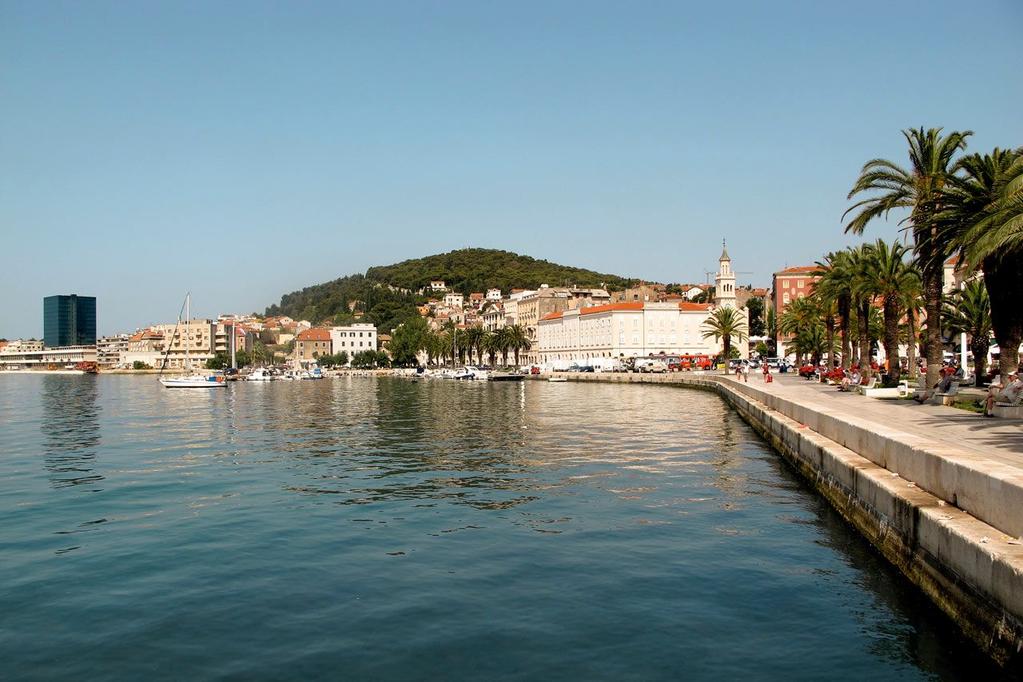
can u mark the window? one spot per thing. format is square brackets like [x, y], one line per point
[785, 298]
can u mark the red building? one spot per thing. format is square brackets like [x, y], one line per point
[788, 285]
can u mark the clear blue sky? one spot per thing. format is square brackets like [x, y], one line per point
[244, 150]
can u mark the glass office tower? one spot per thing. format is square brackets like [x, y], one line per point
[69, 321]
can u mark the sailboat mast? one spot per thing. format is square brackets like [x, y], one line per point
[188, 315]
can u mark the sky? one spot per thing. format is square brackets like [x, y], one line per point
[243, 150]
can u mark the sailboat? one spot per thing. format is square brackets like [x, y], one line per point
[190, 380]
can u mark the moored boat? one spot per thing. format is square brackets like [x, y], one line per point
[190, 380]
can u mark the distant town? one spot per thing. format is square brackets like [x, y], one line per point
[550, 326]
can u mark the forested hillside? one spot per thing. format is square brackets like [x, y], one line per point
[387, 293]
[468, 270]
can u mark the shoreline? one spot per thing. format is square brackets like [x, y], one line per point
[892, 488]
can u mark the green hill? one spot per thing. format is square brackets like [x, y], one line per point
[387, 294]
[469, 270]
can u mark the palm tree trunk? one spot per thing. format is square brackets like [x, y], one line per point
[891, 340]
[932, 277]
[830, 326]
[979, 347]
[911, 341]
[727, 347]
[863, 322]
[1004, 281]
[844, 313]
[504, 355]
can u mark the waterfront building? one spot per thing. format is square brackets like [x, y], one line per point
[310, 344]
[69, 320]
[244, 337]
[511, 305]
[109, 350]
[164, 345]
[493, 316]
[624, 330]
[787, 286]
[641, 292]
[20, 345]
[45, 358]
[353, 338]
[534, 306]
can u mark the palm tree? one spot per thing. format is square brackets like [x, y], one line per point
[801, 314]
[921, 190]
[835, 285]
[473, 339]
[724, 323]
[503, 343]
[813, 341]
[968, 311]
[983, 220]
[912, 302]
[886, 275]
[490, 345]
[519, 340]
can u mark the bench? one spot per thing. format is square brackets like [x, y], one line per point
[863, 388]
[947, 398]
[1007, 410]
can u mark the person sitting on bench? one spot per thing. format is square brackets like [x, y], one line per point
[1010, 393]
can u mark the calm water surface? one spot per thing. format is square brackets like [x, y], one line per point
[384, 529]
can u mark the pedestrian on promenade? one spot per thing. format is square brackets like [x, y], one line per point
[745, 371]
[1010, 393]
[766, 370]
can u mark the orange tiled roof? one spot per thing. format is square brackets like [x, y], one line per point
[315, 334]
[688, 306]
[800, 270]
[551, 316]
[635, 305]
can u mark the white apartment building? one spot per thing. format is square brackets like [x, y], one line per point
[353, 338]
[637, 328]
[165, 345]
[40, 358]
[454, 300]
[493, 316]
[493, 294]
[109, 350]
[23, 345]
[624, 330]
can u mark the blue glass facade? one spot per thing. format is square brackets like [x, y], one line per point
[69, 320]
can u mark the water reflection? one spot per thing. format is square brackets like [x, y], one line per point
[343, 515]
[70, 429]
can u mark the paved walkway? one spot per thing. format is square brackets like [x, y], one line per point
[998, 439]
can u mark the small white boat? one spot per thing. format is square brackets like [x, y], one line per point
[557, 380]
[470, 373]
[194, 381]
[260, 374]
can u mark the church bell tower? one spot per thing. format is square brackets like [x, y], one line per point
[724, 283]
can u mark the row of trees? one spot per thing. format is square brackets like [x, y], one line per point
[970, 206]
[450, 343]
